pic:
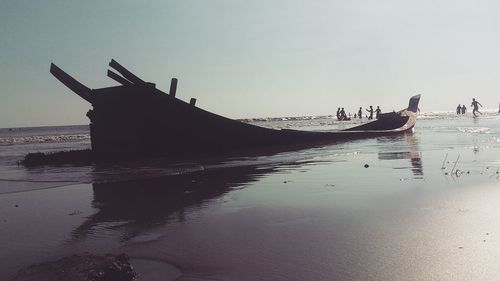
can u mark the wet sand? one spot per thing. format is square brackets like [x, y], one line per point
[315, 214]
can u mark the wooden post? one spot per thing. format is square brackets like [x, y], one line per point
[192, 101]
[173, 87]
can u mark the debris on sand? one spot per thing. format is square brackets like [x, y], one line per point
[81, 268]
[57, 158]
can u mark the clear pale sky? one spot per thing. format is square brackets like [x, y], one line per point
[251, 58]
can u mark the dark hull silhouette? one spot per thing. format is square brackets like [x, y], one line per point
[138, 119]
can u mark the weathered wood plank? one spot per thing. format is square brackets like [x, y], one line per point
[70, 82]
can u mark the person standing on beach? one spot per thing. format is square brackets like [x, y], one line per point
[377, 112]
[371, 113]
[464, 109]
[360, 113]
[459, 108]
[338, 114]
[474, 105]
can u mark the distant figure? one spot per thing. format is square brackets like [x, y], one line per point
[474, 105]
[355, 115]
[464, 109]
[377, 112]
[459, 109]
[338, 114]
[371, 113]
[342, 114]
[360, 113]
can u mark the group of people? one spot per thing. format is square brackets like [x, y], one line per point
[342, 116]
[461, 109]
[475, 108]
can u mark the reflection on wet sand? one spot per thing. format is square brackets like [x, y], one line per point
[410, 151]
[137, 205]
[132, 206]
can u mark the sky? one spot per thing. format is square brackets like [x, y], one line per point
[244, 59]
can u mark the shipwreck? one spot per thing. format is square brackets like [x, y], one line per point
[135, 118]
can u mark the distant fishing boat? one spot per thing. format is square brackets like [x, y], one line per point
[136, 118]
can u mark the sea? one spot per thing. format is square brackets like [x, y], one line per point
[419, 206]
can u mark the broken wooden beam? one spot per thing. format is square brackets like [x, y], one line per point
[126, 73]
[119, 79]
[70, 82]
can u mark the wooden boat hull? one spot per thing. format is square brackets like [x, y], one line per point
[136, 118]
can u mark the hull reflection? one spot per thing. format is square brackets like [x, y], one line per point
[135, 206]
[409, 151]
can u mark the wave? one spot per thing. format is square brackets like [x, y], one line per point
[489, 113]
[474, 129]
[43, 139]
[453, 115]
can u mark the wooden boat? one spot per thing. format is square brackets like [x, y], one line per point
[136, 118]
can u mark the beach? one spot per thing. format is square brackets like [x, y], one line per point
[418, 206]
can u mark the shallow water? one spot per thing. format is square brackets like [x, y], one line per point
[313, 214]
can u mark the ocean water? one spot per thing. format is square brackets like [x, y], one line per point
[420, 206]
